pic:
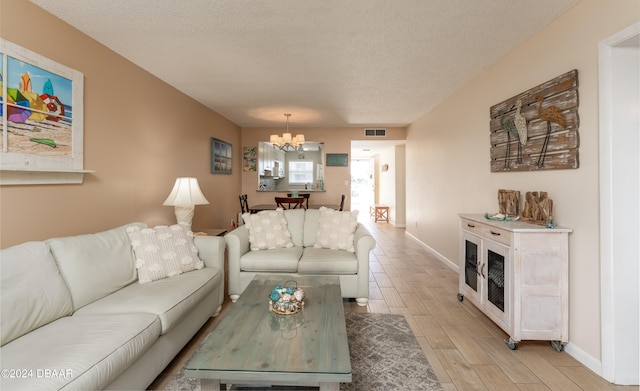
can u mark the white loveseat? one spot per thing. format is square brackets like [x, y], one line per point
[304, 257]
[74, 315]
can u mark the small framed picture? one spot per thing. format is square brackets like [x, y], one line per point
[338, 159]
[221, 159]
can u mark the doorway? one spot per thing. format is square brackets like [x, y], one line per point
[362, 186]
[619, 205]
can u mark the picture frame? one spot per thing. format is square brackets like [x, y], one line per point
[221, 157]
[337, 159]
[249, 157]
[42, 118]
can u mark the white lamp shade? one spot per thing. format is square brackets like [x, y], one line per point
[186, 191]
[286, 137]
[274, 139]
[300, 138]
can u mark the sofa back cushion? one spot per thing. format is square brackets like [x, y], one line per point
[311, 221]
[32, 291]
[295, 222]
[95, 265]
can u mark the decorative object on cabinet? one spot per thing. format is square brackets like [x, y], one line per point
[184, 196]
[221, 157]
[42, 135]
[517, 274]
[249, 155]
[544, 142]
[286, 142]
[337, 159]
[509, 202]
[538, 208]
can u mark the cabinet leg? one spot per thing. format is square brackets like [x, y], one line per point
[513, 345]
[557, 346]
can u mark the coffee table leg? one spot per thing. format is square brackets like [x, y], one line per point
[329, 386]
[210, 384]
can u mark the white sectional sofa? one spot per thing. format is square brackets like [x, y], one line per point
[74, 315]
[306, 256]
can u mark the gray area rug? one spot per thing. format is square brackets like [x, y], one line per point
[385, 355]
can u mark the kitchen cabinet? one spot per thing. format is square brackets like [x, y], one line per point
[271, 161]
[517, 274]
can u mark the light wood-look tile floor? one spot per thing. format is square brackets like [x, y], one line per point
[466, 350]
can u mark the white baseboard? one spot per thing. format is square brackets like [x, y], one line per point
[585, 359]
[442, 258]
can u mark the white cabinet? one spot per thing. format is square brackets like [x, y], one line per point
[517, 274]
[270, 161]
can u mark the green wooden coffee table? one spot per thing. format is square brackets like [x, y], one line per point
[252, 345]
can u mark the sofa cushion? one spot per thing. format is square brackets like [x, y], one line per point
[163, 252]
[295, 222]
[336, 229]
[279, 260]
[268, 230]
[32, 290]
[310, 228]
[171, 299]
[95, 265]
[326, 261]
[87, 351]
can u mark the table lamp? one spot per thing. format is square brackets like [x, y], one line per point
[186, 194]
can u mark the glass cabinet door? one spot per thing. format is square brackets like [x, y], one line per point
[471, 249]
[496, 280]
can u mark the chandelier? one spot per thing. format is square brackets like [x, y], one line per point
[286, 142]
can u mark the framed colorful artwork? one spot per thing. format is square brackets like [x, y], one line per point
[221, 158]
[42, 118]
[249, 159]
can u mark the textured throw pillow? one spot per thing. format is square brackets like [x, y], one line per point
[336, 229]
[163, 252]
[268, 230]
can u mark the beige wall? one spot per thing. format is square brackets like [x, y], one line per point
[140, 134]
[448, 155]
[336, 140]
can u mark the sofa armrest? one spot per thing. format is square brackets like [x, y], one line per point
[211, 251]
[237, 242]
[363, 244]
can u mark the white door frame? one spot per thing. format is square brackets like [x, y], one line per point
[619, 358]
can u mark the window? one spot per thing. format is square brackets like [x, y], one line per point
[300, 172]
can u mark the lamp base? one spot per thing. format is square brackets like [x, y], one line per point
[184, 215]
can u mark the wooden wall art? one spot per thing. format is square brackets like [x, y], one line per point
[538, 129]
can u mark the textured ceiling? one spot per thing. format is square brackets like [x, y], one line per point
[327, 62]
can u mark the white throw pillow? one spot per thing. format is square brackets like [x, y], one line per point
[336, 229]
[163, 252]
[268, 230]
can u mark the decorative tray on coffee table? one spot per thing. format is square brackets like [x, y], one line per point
[287, 299]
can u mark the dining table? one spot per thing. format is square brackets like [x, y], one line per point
[260, 207]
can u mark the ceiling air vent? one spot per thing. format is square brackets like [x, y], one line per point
[375, 132]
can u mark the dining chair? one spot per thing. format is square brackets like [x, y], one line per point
[306, 198]
[290, 202]
[244, 203]
[342, 202]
